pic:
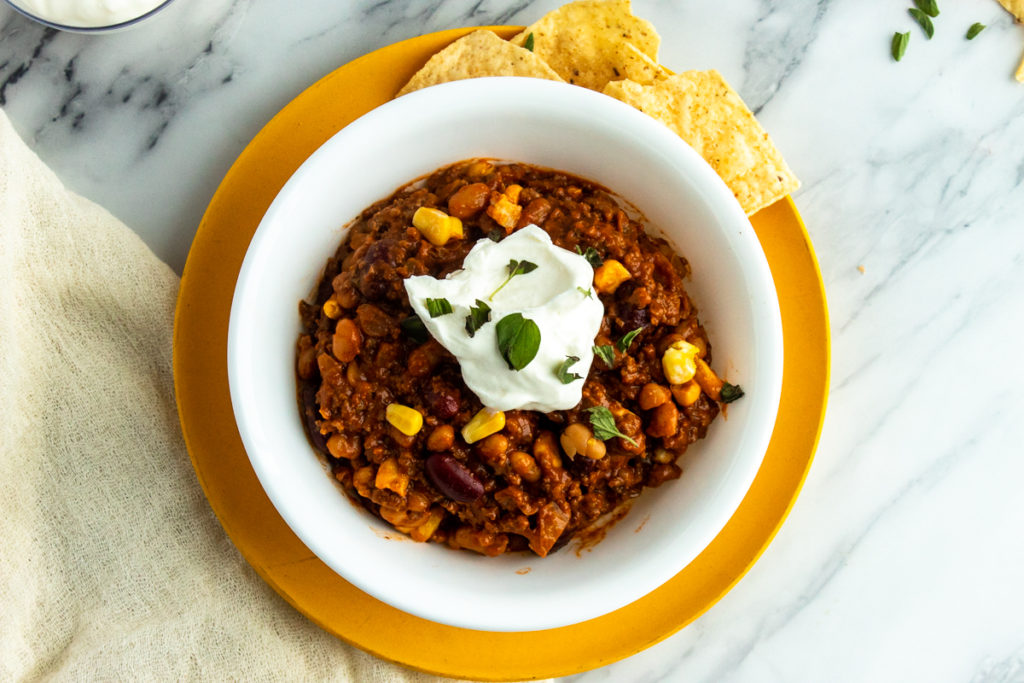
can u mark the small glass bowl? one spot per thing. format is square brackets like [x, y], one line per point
[110, 28]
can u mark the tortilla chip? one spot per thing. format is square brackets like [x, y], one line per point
[1020, 72]
[588, 42]
[703, 110]
[480, 53]
[638, 67]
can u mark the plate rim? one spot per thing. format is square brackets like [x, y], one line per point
[396, 62]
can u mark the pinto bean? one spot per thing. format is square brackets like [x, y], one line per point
[347, 340]
[469, 200]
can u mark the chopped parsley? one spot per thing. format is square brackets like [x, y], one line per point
[605, 353]
[438, 307]
[478, 316]
[562, 371]
[603, 422]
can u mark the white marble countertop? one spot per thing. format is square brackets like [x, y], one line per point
[902, 559]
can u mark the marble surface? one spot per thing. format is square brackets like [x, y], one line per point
[902, 559]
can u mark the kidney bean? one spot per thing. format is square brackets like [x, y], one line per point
[453, 478]
[631, 316]
[443, 405]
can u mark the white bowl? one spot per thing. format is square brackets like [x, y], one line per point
[123, 18]
[547, 124]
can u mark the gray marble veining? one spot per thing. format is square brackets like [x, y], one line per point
[901, 560]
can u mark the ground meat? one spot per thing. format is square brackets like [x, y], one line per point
[361, 351]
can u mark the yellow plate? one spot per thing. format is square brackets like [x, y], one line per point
[200, 373]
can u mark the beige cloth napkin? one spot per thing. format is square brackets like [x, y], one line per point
[112, 565]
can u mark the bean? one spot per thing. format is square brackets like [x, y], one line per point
[343, 446]
[493, 446]
[424, 358]
[453, 479]
[345, 291]
[574, 439]
[631, 316]
[469, 200]
[441, 439]
[664, 420]
[443, 405]
[524, 465]
[536, 212]
[492, 450]
[347, 340]
[545, 451]
[653, 395]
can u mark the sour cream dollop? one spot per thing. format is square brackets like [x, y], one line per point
[557, 296]
[88, 13]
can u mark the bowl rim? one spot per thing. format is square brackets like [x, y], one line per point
[411, 102]
[71, 28]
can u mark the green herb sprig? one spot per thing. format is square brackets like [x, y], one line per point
[562, 371]
[899, 44]
[730, 393]
[438, 307]
[518, 340]
[603, 422]
[593, 258]
[623, 344]
[924, 20]
[478, 316]
[415, 328]
[528, 43]
[929, 7]
[974, 30]
[514, 268]
[605, 353]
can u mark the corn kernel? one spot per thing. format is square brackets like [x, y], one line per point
[407, 420]
[708, 380]
[686, 394]
[331, 309]
[455, 228]
[436, 225]
[483, 424]
[389, 477]
[679, 362]
[609, 275]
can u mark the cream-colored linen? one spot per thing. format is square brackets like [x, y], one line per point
[112, 566]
